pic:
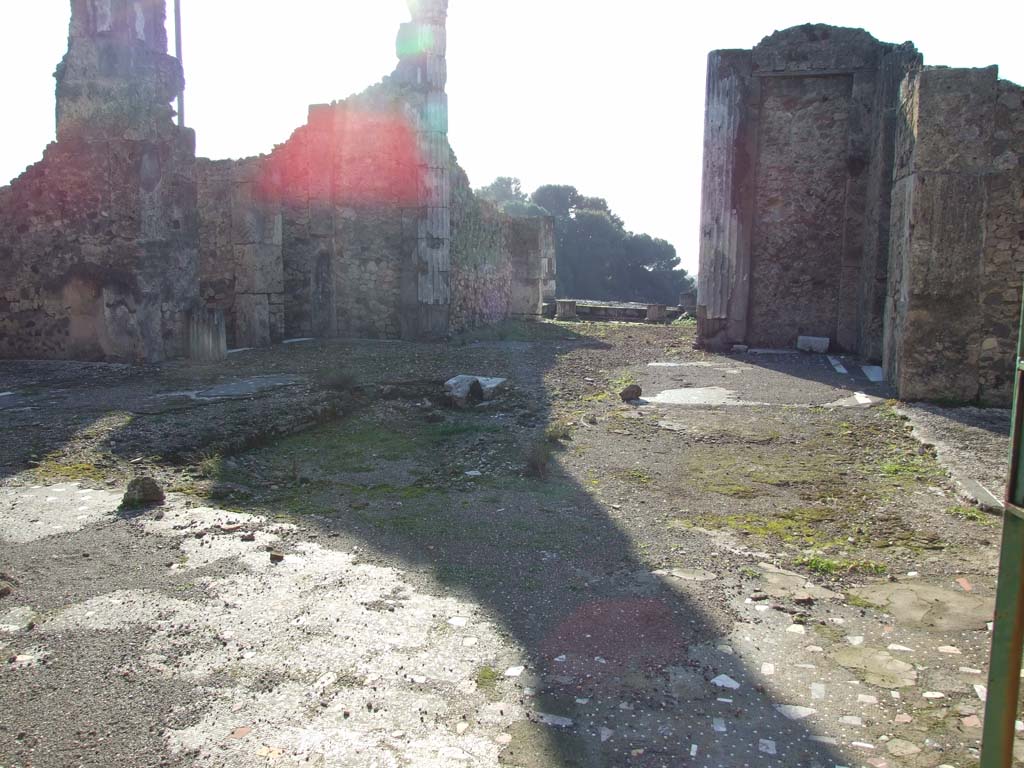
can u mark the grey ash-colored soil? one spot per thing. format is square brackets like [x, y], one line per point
[553, 578]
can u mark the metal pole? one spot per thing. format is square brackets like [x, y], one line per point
[1008, 631]
[177, 52]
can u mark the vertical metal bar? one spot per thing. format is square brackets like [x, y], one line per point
[1007, 644]
[1008, 632]
[177, 52]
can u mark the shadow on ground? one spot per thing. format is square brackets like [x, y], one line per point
[622, 660]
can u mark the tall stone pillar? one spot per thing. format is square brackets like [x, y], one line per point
[422, 46]
[723, 283]
[115, 86]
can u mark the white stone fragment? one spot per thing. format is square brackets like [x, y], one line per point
[933, 695]
[864, 698]
[816, 344]
[767, 669]
[874, 373]
[823, 739]
[694, 749]
[718, 724]
[817, 691]
[970, 671]
[794, 712]
[796, 629]
[862, 745]
[855, 640]
[555, 721]
[724, 681]
[981, 691]
[458, 621]
[606, 733]
[767, 746]
[514, 671]
[949, 649]
[838, 365]
[851, 720]
[900, 648]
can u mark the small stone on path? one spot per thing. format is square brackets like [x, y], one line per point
[631, 393]
[142, 492]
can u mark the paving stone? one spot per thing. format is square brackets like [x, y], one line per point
[918, 604]
[879, 667]
[902, 748]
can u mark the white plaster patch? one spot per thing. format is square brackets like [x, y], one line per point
[30, 514]
[698, 396]
[305, 624]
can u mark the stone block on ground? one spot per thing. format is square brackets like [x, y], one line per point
[142, 492]
[464, 390]
[631, 393]
[817, 344]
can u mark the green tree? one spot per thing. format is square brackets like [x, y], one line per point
[599, 259]
[558, 199]
[504, 189]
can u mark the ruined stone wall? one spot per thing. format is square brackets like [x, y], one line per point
[874, 269]
[240, 240]
[501, 266]
[98, 241]
[348, 184]
[1003, 257]
[953, 306]
[532, 242]
[119, 245]
[852, 193]
[791, 133]
[481, 271]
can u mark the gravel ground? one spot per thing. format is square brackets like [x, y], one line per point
[752, 564]
[973, 443]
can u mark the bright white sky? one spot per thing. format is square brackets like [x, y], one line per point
[608, 96]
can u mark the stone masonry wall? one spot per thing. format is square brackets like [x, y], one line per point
[119, 243]
[852, 193]
[98, 241]
[874, 276]
[953, 306]
[240, 239]
[481, 261]
[1003, 257]
[791, 133]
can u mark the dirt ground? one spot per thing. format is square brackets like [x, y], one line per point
[753, 564]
